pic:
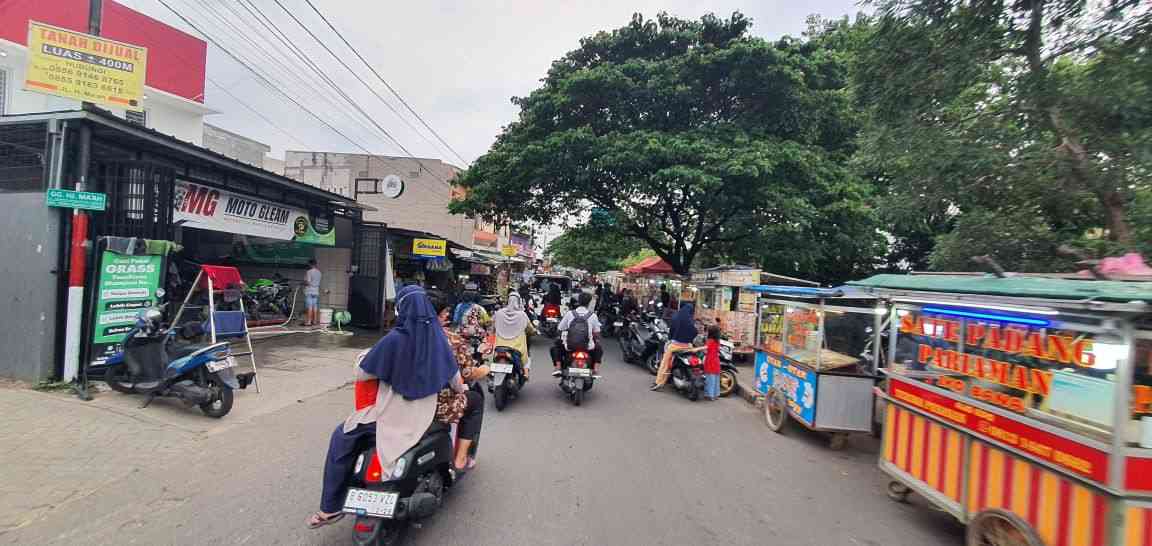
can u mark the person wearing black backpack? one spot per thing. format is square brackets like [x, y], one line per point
[579, 329]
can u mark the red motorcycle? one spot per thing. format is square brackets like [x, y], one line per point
[550, 320]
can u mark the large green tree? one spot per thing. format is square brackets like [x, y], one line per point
[594, 247]
[694, 135]
[1007, 127]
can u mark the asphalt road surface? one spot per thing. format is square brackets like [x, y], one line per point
[628, 467]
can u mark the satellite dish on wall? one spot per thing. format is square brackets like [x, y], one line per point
[392, 186]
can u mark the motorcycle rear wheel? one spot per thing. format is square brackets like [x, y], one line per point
[577, 396]
[727, 382]
[220, 407]
[653, 363]
[500, 397]
[117, 379]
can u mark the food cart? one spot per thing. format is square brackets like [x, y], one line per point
[814, 358]
[1022, 405]
[719, 296]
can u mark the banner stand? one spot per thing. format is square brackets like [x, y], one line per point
[208, 277]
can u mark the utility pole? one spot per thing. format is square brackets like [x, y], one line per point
[77, 268]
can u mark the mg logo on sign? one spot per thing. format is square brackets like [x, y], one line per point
[198, 200]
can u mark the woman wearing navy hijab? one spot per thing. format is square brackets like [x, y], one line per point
[396, 386]
[682, 335]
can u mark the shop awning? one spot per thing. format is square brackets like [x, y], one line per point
[652, 265]
[795, 291]
[1019, 287]
[233, 174]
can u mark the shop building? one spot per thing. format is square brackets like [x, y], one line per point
[408, 193]
[157, 182]
[159, 187]
[173, 101]
[238, 147]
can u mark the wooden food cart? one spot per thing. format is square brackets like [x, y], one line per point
[814, 358]
[1021, 405]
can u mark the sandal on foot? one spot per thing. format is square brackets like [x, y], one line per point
[319, 520]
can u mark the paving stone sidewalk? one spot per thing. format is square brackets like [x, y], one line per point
[56, 449]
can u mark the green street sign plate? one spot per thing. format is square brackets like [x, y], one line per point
[70, 199]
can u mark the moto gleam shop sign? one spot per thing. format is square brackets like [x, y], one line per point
[203, 207]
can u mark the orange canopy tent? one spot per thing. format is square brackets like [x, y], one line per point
[652, 265]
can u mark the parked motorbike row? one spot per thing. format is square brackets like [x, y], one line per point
[642, 341]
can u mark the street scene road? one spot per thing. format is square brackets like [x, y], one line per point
[627, 467]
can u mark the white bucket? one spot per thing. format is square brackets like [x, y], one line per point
[325, 317]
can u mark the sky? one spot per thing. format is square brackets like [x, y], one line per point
[456, 63]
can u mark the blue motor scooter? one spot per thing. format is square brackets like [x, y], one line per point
[161, 362]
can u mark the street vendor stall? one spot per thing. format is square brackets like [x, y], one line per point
[1021, 405]
[814, 358]
[720, 296]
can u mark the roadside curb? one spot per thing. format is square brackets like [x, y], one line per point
[750, 396]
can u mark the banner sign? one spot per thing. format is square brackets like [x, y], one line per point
[70, 199]
[1074, 457]
[203, 207]
[126, 285]
[83, 67]
[509, 251]
[525, 244]
[429, 247]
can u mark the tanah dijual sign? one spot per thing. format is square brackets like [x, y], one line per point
[209, 208]
[84, 67]
[429, 247]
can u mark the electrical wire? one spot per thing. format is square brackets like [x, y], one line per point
[353, 72]
[287, 42]
[385, 82]
[355, 105]
[265, 80]
[268, 59]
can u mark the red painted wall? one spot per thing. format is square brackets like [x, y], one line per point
[176, 60]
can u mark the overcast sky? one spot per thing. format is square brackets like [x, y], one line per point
[456, 62]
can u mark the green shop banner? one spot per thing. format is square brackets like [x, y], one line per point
[126, 284]
[257, 250]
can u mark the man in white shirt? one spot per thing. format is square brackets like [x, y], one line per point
[312, 294]
[582, 313]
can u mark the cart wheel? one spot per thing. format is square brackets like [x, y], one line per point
[898, 491]
[1000, 528]
[775, 409]
[838, 441]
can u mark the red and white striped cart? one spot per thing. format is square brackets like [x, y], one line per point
[1022, 405]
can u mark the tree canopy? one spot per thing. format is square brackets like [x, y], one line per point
[1007, 128]
[594, 247]
[693, 135]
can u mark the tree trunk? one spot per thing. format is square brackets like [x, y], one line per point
[1116, 217]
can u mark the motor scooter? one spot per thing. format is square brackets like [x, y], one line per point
[155, 363]
[550, 320]
[385, 500]
[641, 337]
[506, 375]
[688, 373]
[576, 376]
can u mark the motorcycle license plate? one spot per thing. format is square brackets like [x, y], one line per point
[579, 372]
[553, 319]
[217, 365]
[363, 502]
[617, 324]
[501, 367]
